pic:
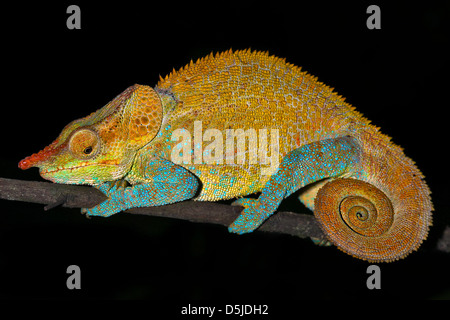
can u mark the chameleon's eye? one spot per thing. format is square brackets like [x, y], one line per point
[88, 150]
[84, 144]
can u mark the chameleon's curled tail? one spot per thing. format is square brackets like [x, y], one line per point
[383, 218]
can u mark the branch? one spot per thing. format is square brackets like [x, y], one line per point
[51, 194]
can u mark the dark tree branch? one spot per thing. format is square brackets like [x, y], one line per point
[52, 195]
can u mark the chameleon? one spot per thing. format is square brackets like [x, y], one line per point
[245, 122]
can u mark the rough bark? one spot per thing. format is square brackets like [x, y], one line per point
[52, 195]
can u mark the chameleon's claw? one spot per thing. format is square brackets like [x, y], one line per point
[84, 211]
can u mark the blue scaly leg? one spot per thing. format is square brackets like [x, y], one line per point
[302, 166]
[167, 183]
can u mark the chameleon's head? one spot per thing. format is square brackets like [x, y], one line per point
[102, 146]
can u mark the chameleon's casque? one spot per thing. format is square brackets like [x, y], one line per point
[243, 122]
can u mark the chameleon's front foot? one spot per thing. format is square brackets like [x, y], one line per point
[170, 184]
[114, 190]
[249, 219]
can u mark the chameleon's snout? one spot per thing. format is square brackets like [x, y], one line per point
[30, 161]
[37, 158]
[25, 164]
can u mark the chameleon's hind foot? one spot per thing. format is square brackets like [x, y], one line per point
[249, 219]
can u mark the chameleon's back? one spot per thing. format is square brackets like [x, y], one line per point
[278, 107]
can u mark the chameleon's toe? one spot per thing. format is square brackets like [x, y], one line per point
[84, 211]
[113, 186]
[249, 219]
[89, 212]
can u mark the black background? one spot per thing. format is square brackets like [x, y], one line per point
[396, 76]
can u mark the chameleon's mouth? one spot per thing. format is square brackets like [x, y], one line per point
[62, 174]
[55, 171]
[74, 175]
[66, 175]
[52, 171]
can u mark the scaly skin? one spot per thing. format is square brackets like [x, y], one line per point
[174, 142]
